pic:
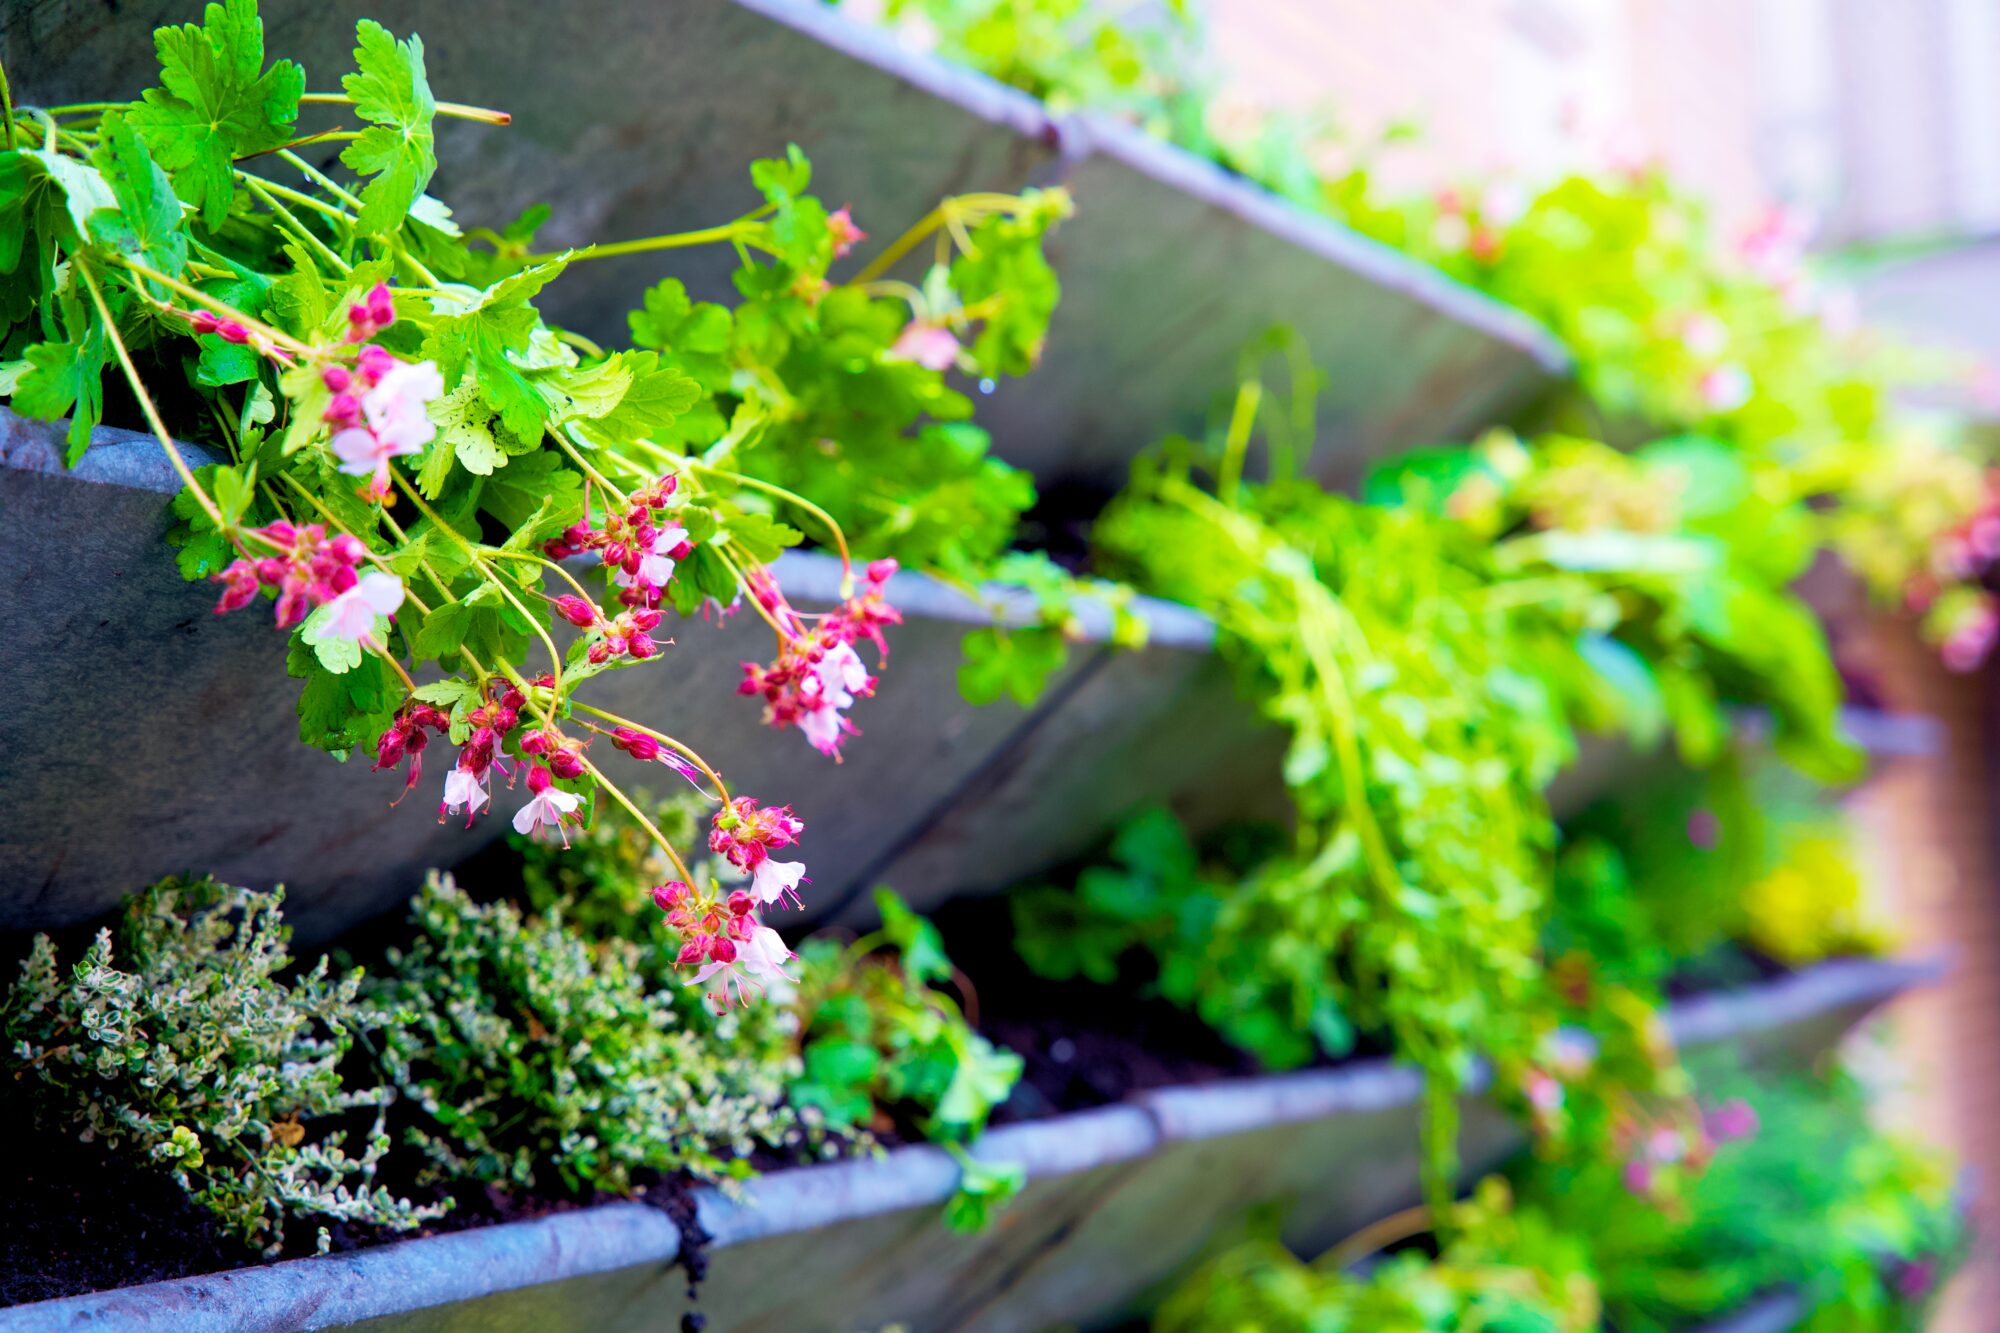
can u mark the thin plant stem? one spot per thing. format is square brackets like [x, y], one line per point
[6, 106]
[202, 298]
[261, 190]
[180, 466]
[456, 110]
[793, 498]
[680, 866]
[321, 179]
[679, 747]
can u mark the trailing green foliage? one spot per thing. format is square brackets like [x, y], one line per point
[881, 1039]
[183, 1042]
[1433, 655]
[1861, 1225]
[540, 1059]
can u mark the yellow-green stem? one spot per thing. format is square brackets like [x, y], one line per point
[180, 466]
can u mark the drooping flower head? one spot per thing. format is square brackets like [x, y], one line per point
[746, 834]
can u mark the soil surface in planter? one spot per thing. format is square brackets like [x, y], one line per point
[82, 1218]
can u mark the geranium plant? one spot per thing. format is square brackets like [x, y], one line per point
[433, 487]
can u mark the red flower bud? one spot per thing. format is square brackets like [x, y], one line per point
[722, 950]
[742, 902]
[667, 896]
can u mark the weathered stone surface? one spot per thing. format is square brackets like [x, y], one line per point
[1119, 1200]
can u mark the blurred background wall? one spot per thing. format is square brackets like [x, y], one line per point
[1881, 119]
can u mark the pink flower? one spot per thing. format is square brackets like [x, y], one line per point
[1734, 1119]
[655, 566]
[352, 615]
[466, 789]
[1725, 388]
[1704, 830]
[394, 421]
[764, 954]
[646, 750]
[841, 230]
[547, 807]
[239, 588]
[778, 879]
[1544, 1093]
[1638, 1177]
[930, 345]
[1703, 335]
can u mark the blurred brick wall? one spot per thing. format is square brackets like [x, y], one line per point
[1928, 834]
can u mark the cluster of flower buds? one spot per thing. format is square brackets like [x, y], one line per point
[469, 785]
[745, 836]
[639, 549]
[841, 230]
[722, 937]
[628, 634]
[722, 934]
[818, 675]
[380, 405]
[406, 738]
[308, 569]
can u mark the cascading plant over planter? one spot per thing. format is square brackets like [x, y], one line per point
[422, 478]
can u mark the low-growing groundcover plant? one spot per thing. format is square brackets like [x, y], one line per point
[180, 1041]
[417, 473]
[1862, 1225]
[541, 1059]
[868, 1039]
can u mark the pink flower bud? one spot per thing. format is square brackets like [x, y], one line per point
[374, 362]
[576, 610]
[343, 410]
[669, 895]
[381, 306]
[635, 743]
[566, 764]
[722, 949]
[538, 777]
[347, 549]
[692, 952]
[742, 902]
[880, 571]
[640, 646]
[599, 653]
[239, 582]
[336, 378]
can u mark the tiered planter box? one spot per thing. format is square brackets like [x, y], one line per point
[1119, 1200]
[643, 119]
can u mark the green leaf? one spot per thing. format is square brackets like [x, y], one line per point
[652, 398]
[146, 224]
[917, 939]
[338, 655]
[479, 338]
[67, 378]
[759, 537]
[1017, 662]
[983, 1189]
[218, 103]
[985, 1075]
[392, 93]
[443, 631]
[447, 693]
